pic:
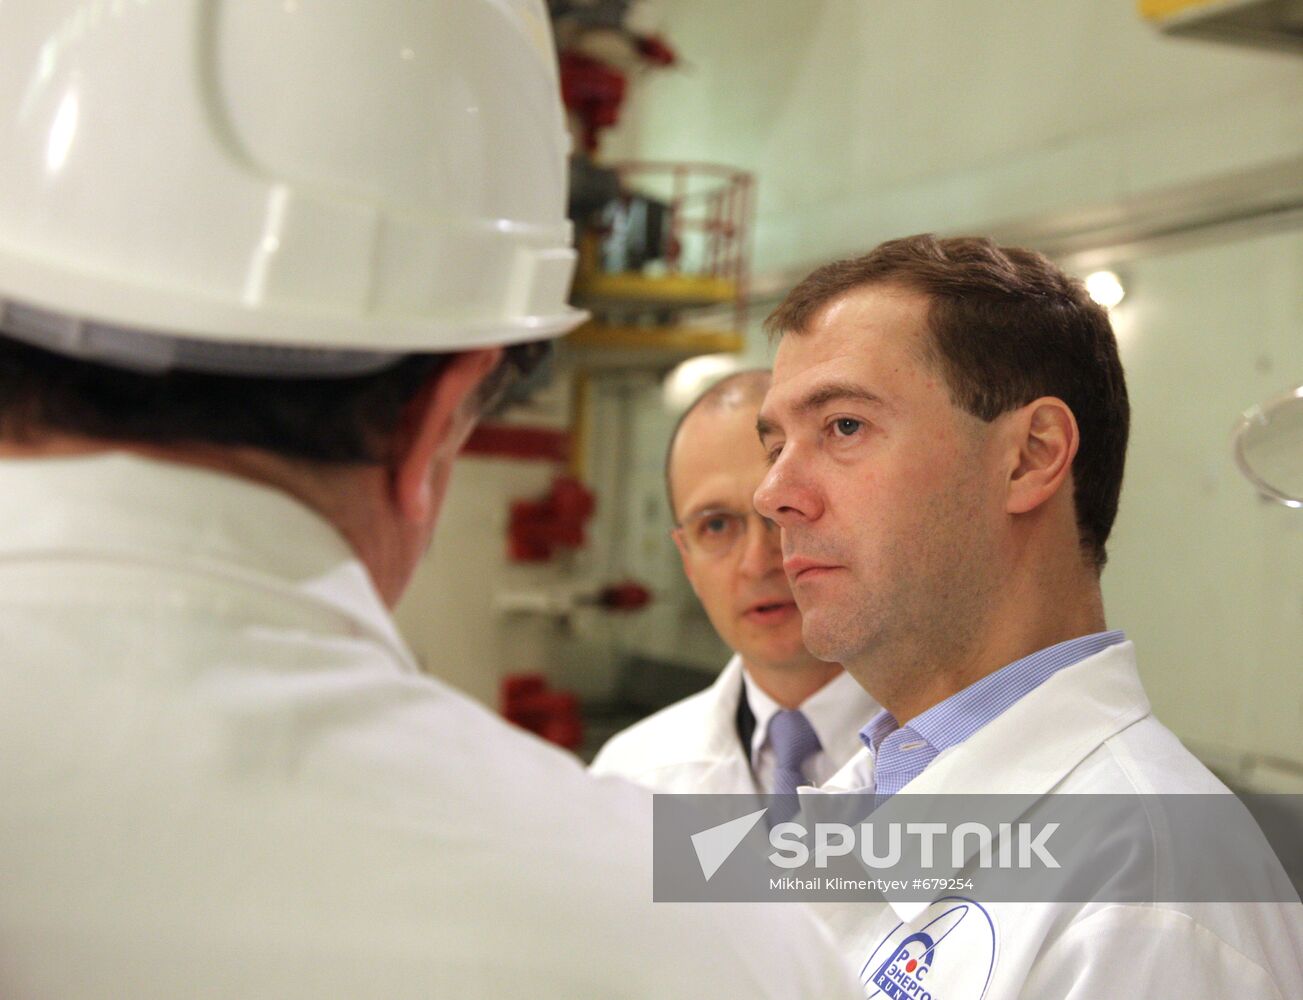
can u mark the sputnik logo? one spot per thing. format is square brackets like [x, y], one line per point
[715, 845]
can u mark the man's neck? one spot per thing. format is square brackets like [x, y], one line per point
[910, 680]
[790, 686]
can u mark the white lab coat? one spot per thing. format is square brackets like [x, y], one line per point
[222, 775]
[1088, 729]
[693, 745]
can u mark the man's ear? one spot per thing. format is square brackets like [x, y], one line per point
[433, 428]
[1046, 437]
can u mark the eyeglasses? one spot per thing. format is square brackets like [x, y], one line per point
[716, 531]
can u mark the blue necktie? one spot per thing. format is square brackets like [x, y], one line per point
[794, 741]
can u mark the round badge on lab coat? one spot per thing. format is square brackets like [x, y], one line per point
[949, 957]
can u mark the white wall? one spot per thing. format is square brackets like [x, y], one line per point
[1206, 577]
[866, 119]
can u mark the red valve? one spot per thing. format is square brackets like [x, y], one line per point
[554, 715]
[655, 50]
[626, 596]
[539, 527]
[592, 90]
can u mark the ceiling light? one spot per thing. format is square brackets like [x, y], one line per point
[1105, 287]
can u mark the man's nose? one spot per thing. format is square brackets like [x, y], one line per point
[786, 495]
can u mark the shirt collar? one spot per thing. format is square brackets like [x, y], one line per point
[952, 721]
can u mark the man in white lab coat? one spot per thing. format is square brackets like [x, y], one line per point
[776, 717]
[261, 268]
[946, 432]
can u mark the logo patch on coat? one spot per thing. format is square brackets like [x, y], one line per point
[950, 957]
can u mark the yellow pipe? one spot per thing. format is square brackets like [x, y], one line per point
[581, 415]
[668, 339]
[1159, 10]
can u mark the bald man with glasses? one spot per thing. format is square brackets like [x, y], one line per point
[776, 717]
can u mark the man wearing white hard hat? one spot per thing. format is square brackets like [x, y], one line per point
[261, 267]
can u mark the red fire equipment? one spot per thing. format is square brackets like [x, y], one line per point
[554, 715]
[539, 527]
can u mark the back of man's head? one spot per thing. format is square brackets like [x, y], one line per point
[337, 421]
[326, 420]
[1007, 327]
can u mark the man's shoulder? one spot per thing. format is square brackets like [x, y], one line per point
[400, 829]
[1208, 950]
[520, 825]
[676, 734]
[1145, 758]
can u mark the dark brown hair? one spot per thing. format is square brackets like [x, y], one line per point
[335, 420]
[1007, 327]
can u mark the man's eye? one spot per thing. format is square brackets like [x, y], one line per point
[771, 456]
[717, 524]
[846, 426]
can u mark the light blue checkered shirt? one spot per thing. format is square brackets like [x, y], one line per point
[901, 753]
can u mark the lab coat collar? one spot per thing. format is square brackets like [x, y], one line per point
[703, 729]
[705, 732]
[718, 739]
[149, 511]
[1036, 742]
[1032, 746]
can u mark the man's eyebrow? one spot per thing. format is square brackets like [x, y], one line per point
[832, 391]
[821, 396]
[707, 507]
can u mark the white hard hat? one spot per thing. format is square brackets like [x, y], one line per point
[280, 186]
